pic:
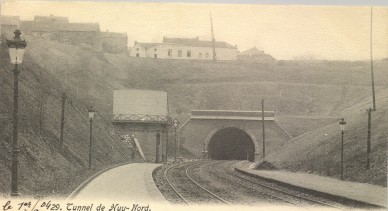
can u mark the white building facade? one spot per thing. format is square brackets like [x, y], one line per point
[184, 48]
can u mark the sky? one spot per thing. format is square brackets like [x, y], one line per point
[284, 31]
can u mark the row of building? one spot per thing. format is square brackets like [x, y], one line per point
[59, 29]
[195, 49]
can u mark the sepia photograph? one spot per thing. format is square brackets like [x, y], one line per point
[140, 106]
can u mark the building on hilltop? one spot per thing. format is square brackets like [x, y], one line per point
[51, 19]
[59, 29]
[81, 34]
[185, 48]
[8, 24]
[113, 42]
[256, 55]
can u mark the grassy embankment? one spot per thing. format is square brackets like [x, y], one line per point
[45, 169]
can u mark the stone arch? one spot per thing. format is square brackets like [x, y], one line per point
[250, 134]
[231, 136]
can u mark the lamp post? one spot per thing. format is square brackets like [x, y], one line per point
[91, 116]
[175, 138]
[342, 126]
[16, 52]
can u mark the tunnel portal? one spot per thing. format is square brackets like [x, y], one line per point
[231, 144]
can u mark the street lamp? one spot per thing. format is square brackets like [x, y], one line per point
[175, 137]
[342, 127]
[91, 116]
[16, 51]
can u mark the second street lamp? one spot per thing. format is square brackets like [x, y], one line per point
[91, 116]
[16, 52]
[342, 126]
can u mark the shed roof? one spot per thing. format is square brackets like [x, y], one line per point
[147, 45]
[80, 27]
[252, 51]
[196, 42]
[51, 18]
[114, 34]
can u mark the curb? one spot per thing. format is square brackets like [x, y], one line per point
[86, 182]
[337, 198]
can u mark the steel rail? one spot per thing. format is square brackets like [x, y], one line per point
[284, 192]
[190, 165]
[172, 186]
[268, 194]
[203, 188]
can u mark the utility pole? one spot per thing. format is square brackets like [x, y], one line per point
[262, 118]
[371, 59]
[213, 39]
[368, 142]
[62, 120]
[157, 146]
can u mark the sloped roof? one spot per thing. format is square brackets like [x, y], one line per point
[51, 18]
[80, 27]
[196, 42]
[147, 45]
[10, 20]
[114, 34]
[45, 27]
[252, 51]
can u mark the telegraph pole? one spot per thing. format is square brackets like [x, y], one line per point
[157, 146]
[368, 142]
[371, 59]
[213, 39]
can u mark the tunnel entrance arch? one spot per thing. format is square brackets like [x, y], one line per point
[231, 144]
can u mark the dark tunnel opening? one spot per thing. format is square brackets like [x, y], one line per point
[231, 144]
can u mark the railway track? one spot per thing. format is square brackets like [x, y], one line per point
[230, 177]
[279, 193]
[187, 183]
[189, 190]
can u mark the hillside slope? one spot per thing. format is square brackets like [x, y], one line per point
[45, 169]
[319, 151]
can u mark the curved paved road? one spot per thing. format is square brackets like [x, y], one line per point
[131, 182]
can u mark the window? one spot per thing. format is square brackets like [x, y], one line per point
[169, 52]
[188, 53]
[200, 55]
[179, 53]
[137, 55]
[207, 55]
[155, 56]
